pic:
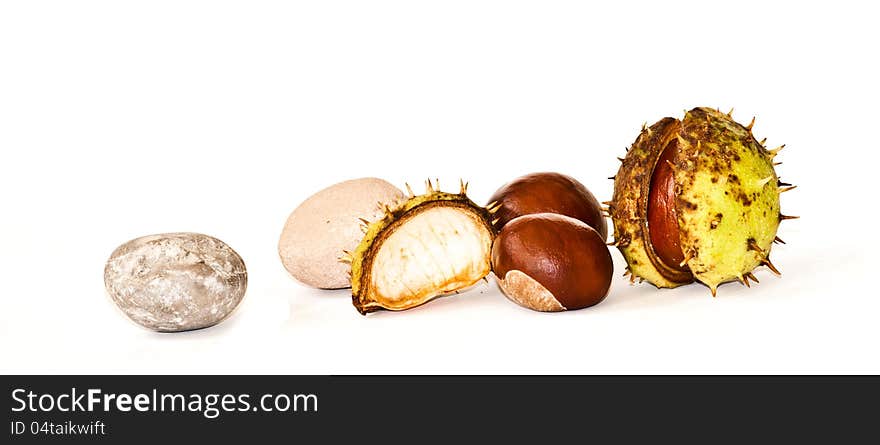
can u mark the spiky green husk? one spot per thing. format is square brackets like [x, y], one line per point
[375, 233]
[727, 199]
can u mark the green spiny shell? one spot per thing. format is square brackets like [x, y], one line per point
[727, 200]
[364, 295]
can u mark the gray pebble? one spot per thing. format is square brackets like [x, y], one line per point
[175, 282]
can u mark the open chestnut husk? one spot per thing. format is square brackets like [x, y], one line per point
[550, 262]
[697, 199]
[426, 246]
[547, 192]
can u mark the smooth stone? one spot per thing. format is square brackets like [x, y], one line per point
[327, 224]
[175, 282]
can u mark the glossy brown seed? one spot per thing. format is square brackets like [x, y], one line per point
[548, 193]
[662, 216]
[550, 262]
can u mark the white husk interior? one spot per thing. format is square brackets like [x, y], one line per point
[438, 251]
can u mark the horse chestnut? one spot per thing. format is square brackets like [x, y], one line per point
[697, 199]
[662, 214]
[547, 193]
[550, 262]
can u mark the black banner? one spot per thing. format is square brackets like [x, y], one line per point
[174, 409]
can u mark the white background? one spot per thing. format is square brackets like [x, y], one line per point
[121, 119]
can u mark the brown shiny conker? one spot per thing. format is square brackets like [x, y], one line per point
[550, 262]
[662, 214]
[547, 192]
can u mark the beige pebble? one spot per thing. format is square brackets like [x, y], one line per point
[328, 223]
